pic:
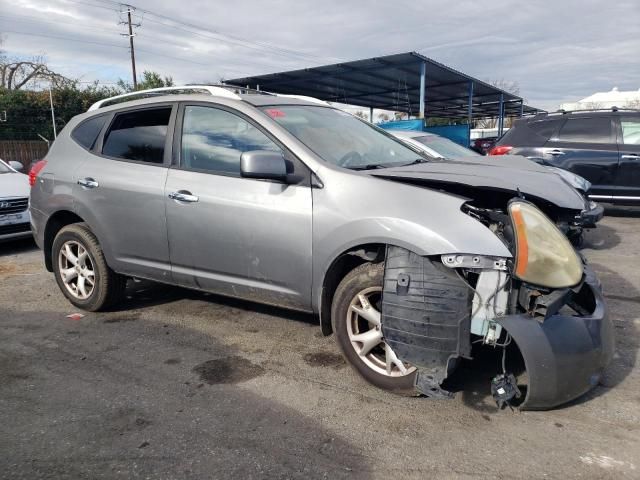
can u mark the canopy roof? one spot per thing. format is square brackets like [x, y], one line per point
[393, 83]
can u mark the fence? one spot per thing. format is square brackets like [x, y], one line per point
[23, 151]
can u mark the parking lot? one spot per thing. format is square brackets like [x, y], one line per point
[183, 384]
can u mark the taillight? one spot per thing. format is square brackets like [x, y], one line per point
[500, 150]
[35, 170]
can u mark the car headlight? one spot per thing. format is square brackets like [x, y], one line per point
[544, 256]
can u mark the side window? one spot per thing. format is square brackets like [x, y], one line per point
[544, 128]
[138, 135]
[586, 130]
[214, 139]
[630, 131]
[87, 132]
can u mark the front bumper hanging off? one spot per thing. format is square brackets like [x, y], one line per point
[564, 354]
[426, 318]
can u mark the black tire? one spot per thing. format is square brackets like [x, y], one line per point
[108, 287]
[362, 277]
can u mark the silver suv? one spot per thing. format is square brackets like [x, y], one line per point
[294, 203]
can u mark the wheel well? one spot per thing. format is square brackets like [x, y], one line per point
[343, 264]
[56, 222]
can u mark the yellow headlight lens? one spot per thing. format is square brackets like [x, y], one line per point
[544, 256]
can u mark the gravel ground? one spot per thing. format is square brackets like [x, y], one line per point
[180, 384]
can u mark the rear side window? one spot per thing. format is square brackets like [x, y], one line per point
[87, 132]
[544, 129]
[530, 133]
[630, 131]
[138, 136]
[586, 130]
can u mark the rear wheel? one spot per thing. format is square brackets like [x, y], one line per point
[81, 270]
[356, 317]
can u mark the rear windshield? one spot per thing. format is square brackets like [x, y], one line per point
[341, 139]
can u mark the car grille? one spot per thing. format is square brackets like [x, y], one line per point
[15, 228]
[15, 205]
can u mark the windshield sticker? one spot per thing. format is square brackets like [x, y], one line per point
[274, 113]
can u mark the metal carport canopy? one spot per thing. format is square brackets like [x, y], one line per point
[394, 82]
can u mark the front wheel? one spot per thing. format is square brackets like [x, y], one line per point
[81, 270]
[356, 318]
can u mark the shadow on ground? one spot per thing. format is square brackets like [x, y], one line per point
[15, 247]
[83, 399]
[143, 294]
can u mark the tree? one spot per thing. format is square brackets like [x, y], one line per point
[507, 86]
[16, 74]
[150, 79]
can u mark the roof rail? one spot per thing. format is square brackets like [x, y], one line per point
[219, 91]
[589, 110]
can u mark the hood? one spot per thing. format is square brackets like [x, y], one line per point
[518, 174]
[576, 181]
[14, 185]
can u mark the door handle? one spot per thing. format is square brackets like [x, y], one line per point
[88, 183]
[631, 156]
[555, 152]
[183, 196]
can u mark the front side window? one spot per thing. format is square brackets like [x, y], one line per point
[341, 139]
[214, 139]
[139, 135]
[586, 130]
[630, 131]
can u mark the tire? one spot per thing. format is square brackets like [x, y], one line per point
[366, 278]
[101, 286]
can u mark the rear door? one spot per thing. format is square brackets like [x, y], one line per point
[119, 190]
[586, 146]
[236, 236]
[628, 181]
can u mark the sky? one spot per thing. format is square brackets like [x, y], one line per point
[555, 50]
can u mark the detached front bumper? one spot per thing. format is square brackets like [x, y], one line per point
[564, 354]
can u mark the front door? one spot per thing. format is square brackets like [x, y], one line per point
[628, 182]
[231, 235]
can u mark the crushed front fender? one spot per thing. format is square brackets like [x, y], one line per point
[564, 355]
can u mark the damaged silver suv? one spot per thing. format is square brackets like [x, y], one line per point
[291, 202]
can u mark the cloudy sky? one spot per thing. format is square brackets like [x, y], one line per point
[555, 50]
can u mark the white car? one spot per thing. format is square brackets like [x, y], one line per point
[15, 221]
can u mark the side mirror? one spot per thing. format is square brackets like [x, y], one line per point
[263, 164]
[16, 165]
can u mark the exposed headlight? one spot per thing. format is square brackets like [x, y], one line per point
[544, 256]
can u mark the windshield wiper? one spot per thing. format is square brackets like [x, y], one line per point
[371, 166]
[416, 162]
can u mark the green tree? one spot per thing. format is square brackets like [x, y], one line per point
[150, 79]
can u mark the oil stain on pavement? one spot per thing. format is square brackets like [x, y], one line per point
[233, 369]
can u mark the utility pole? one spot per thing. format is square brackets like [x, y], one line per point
[130, 9]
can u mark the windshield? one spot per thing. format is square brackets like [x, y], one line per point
[445, 147]
[4, 168]
[341, 139]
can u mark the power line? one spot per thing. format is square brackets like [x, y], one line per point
[112, 45]
[229, 37]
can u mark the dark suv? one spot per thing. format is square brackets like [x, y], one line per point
[601, 146]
